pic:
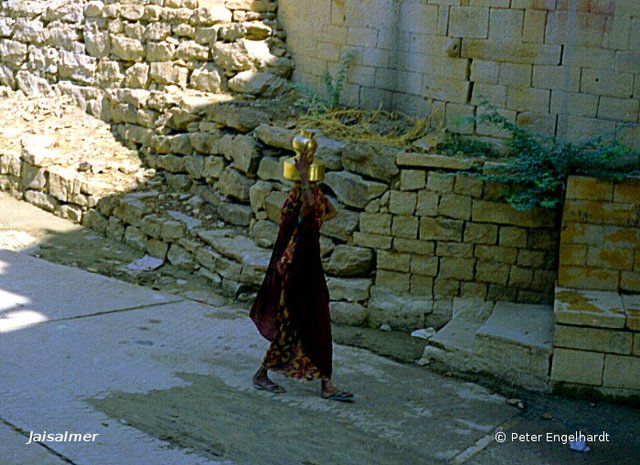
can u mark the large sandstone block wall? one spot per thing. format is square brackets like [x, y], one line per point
[600, 238]
[597, 303]
[565, 68]
[84, 47]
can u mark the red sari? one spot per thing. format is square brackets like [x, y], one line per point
[292, 306]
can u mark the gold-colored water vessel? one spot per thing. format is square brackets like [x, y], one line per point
[304, 140]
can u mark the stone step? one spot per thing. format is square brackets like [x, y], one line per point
[515, 344]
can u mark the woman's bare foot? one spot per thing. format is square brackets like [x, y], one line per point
[262, 382]
[330, 392]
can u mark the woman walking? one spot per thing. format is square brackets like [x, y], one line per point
[292, 306]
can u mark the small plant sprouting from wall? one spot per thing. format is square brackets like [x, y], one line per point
[313, 101]
[539, 165]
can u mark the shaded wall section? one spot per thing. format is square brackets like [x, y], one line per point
[569, 68]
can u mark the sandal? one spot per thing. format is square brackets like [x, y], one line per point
[340, 396]
[269, 386]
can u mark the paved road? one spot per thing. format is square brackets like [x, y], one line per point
[165, 380]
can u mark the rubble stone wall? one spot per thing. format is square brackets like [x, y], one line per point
[568, 72]
[84, 47]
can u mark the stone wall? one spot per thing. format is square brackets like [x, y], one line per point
[600, 239]
[415, 237]
[83, 47]
[597, 305]
[570, 72]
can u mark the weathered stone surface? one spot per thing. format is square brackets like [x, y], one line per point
[349, 313]
[342, 226]
[569, 365]
[233, 213]
[208, 77]
[33, 177]
[244, 151]
[374, 161]
[261, 6]
[240, 249]
[441, 229]
[593, 339]
[264, 233]
[137, 76]
[234, 185]
[621, 372]
[349, 289]
[210, 14]
[42, 200]
[257, 193]
[257, 83]
[126, 49]
[240, 117]
[352, 189]
[351, 261]
[275, 136]
[269, 169]
[232, 57]
[403, 312]
[168, 73]
[273, 203]
[589, 308]
[424, 160]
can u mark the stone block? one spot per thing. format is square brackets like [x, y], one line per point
[521, 98]
[636, 344]
[589, 308]
[579, 233]
[399, 282]
[405, 226]
[441, 229]
[606, 82]
[421, 285]
[577, 367]
[496, 253]
[413, 246]
[48, 203]
[501, 213]
[630, 281]
[473, 290]
[554, 77]
[627, 191]
[351, 261]
[233, 213]
[33, 177]
[412, 180]
[593, 339]
[349, 313]
[454, 249]
[621, 372]
[427, 204]
[484, 71]
[618, 109]
[610, 258]
[372, 161]
[342, 226]
[394, 261]
[402, 203]
[135, 238]
[349, 289]
[446, 287]
[512, 51]
[455, 206]
[587, 188]
[375, 223]
[352, 189]
[173, 230]
[468, 185]
[440, 182]
[492, 272]
[520, 277]
[456, 268]
[480, 233]
[400, 311]
[631, 303]
[532, 258]
[573, 254]
[424, 265]
[374, 241]
[588, 278]
[469, 22]
[273, 203]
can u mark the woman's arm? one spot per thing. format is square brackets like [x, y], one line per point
[303, 168]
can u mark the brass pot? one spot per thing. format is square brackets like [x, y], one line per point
[306, 139]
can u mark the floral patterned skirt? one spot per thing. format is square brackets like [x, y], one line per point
[285, 355]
